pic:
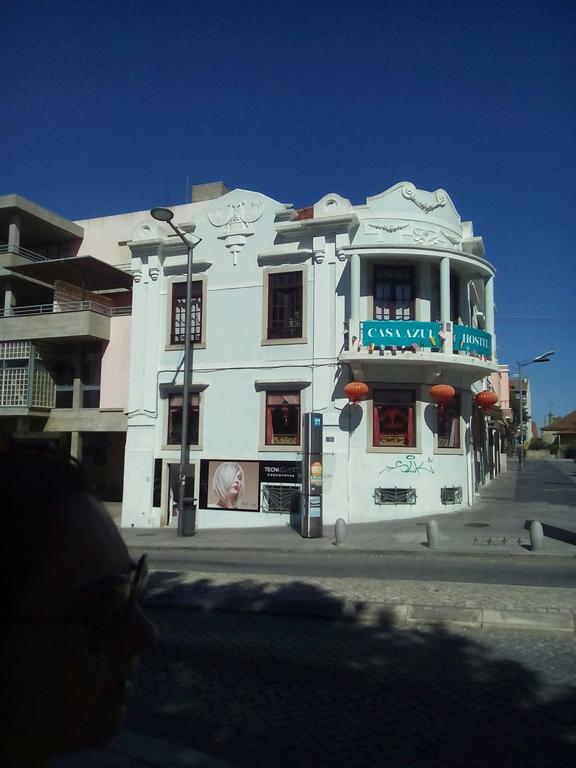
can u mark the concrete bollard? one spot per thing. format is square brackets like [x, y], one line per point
[536, 535]
[340, 531]
[432, 534]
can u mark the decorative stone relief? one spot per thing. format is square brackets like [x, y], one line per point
[425, 236]
[409, 192]
[234, 222]
[154, 272]
[453, 240]
[341, 255]
[382, 228]
[137, 275]
[319, 256]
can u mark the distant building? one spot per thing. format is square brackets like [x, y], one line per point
[561, 432]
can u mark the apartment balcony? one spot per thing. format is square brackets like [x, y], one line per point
[405, 345]
[59, 321]
[23, 395]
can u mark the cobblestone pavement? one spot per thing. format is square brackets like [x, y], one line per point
[263, 690]
[181, 587]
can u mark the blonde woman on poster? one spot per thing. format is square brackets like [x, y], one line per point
[228, 484]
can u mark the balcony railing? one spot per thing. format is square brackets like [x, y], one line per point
[65, 306]
[15, 391]
[393, 336]
[20, 251]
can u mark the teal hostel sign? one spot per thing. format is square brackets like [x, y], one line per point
[403, 333]
[468, 339]
[400, 333]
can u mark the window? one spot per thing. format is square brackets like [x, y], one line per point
[393, 418]
[285, 305]
[91, 356]
[283, 418]
[175, 419]
[178, 322]
[449, 424]
[393, 293]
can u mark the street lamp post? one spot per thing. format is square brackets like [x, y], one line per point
[545, 358]
[166, 215]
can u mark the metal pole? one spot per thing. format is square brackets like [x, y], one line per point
[184, 446]
[521, 454]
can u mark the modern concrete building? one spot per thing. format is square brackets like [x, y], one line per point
[288, 307]
[64, 340]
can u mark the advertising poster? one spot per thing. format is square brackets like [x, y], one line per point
[281, 472]
[229, 484]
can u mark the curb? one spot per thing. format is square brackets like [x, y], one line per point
[424, 551]
[373, 613]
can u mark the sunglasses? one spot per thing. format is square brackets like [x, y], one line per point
[102, 611]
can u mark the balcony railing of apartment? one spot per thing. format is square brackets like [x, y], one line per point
[65, 306]
[20, 251]
[389, 337]
[15, 390]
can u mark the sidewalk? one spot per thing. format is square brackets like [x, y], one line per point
[499, 523]
[497, 526]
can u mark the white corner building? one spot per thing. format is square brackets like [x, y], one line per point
[288, 307]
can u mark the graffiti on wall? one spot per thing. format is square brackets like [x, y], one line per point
[410, 465]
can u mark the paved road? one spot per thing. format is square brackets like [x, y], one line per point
[291, 692]
[532, 570]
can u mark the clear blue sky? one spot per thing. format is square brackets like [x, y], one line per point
[108, 106]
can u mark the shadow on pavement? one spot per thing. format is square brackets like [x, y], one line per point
[260, 690]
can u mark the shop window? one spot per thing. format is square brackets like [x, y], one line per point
[448, 419]
[394, 418]
[175, 419]
[178, 320]
[285, 305]
[283, 418]
[393, 293]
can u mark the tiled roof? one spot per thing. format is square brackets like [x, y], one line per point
[564, 424]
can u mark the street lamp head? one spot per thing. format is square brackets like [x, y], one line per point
[545, 358]
[162, 214]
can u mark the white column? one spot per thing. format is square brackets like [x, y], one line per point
[354, 325]
[489, 301]
[445, 289]
[14, 231]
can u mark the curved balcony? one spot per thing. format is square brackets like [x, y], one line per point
[435, 345]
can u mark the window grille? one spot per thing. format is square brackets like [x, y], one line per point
[278, 497]
[395, 495]
[451, 494]
[44, 393]
[15, 350]
[14, 386]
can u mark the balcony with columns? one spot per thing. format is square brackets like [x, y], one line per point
[417, 325]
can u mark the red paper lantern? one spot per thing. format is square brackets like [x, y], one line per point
[442, 393]
[356, 391]
[486, 399]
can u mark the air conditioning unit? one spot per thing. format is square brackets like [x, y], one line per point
[279, 498]
[395, 496]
